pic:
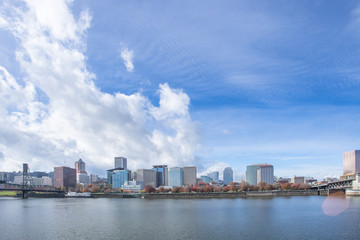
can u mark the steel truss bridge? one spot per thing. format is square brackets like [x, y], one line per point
[340, 185]
[27, 185]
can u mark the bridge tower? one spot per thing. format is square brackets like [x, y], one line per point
[27, 180]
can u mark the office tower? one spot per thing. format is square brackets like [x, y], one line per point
[161, 175]
[80, 166]
[190, 176]
[214, 176]
[146, 177]
[120, 162]
[251, 173]
[205, 179]
[119, 177]
[94, 178]
[64, 177]
[351, 162]
[176, 177]
[265, 173]
[81, 174]
[228, 175]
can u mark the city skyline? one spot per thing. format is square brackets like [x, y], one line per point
[235, 84]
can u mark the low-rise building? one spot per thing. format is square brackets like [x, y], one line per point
[296, 179]
[132, 186]
[46, 181]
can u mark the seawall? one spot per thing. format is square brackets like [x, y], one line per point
[233, 194]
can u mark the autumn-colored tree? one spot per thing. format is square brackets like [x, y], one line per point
[187, 188]
[131, 191]
[277, 186]
[175, 189]
[218, 189]
[194, 189]
[261, 186]
[253, 188]
[208, 188]
[125, 191]
[295, 186]
[149, 189]
[268, 187]
[201, 184]
[161, 189]
[167, 190]
[107, 190]
[244, 186]
[286, 186]
[86, 189]
[226, 188]
[233, 186]
[201, 189]
[95, 189]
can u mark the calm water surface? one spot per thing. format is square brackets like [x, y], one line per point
[272, 218]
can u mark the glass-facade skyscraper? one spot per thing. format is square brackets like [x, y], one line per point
[161, 175]
[119, 177]
[176, 177]
[214, 176]
[228, 175]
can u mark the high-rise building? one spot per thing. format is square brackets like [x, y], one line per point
[351, 162]
[146, 177]
[161, 175]
[120, 162]
[176, 177]
[94, 178]
[265, 173]
[81, 174]
[214, 176]
[205, 179]
[82, 178]
[119, 177]
[64, 177]
[228, 175]
[80, 166]
[251, 173]
[190, 176]
[110, 174]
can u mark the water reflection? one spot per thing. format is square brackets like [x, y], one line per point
[335, 204]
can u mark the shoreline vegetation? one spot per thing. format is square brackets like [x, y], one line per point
[200, 190]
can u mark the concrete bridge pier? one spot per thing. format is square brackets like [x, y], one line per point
[25, 194]
[338, 191]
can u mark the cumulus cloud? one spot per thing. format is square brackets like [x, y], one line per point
[127, 56]
[219, 167]
[78, 119]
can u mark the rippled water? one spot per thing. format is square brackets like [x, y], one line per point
[253, 218]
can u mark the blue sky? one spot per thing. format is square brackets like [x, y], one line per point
[266, 81]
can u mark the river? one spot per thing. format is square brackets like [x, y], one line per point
[311, 217]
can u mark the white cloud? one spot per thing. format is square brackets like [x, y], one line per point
[219, 167]
[78, 119]
[127, 56]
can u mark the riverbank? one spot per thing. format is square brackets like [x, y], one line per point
[7, 194]
[234, 194]
[192, 195]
